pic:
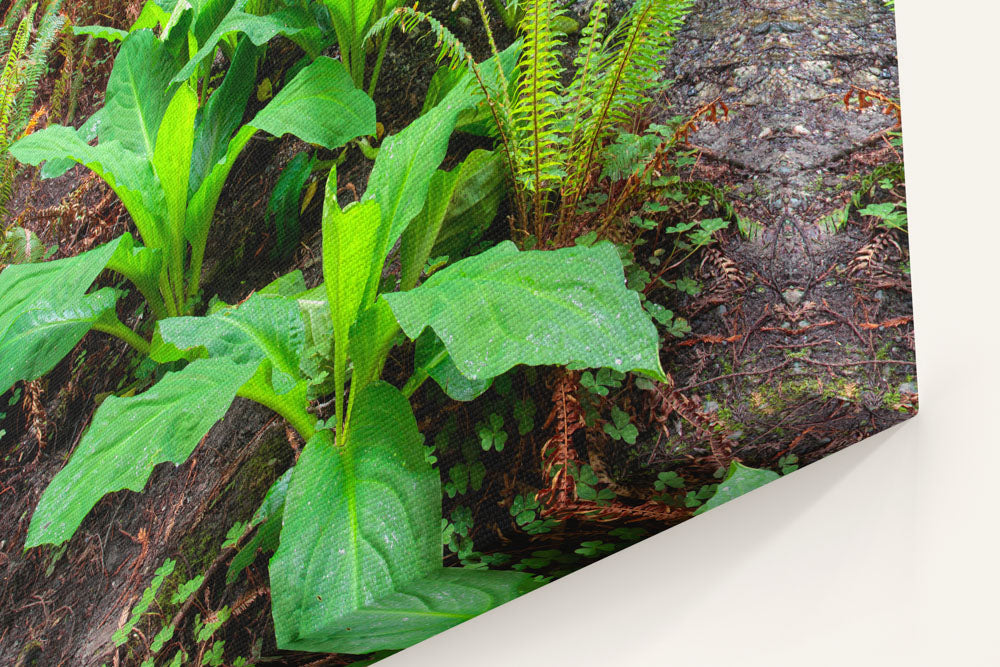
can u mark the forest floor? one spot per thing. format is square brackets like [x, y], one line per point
[802, 334]
[801, 341]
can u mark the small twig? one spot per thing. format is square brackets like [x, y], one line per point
[223, 556]
[857, 363]
[734, 375]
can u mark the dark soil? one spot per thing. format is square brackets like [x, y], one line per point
[802, 334]
[801, 337]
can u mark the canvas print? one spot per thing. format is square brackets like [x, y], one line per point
[326, 325]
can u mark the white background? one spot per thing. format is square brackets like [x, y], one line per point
[883, 554]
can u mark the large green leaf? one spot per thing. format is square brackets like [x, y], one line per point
[372, 336]
[138, 93]
[320, 106]
[129, 436]
[37, 340]
[258, 29]
[141, 266]
[265, 326]
[220, 118]
[361, 520]
[506, 307]
[418, 238]
[473, 205]
[431, 357]
[478, 120]
[421, 609]
[348, 258]
[101, 32]
[406, 162]
[349, 249]
[172, 157]
[45, 287]
[351, 18]
[739, 480]
[25, 287]
[130, 175]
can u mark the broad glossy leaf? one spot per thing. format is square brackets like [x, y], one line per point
[349, 238]
[129, 175]
[420, 609]
[55, 167]
[292, 284]
[480, 186]
[361, 520]
[258, 29]
[282, 213]
[739, 480]
[265, 326]
[478, 120]
[506, 307]
[101, 32]
[417, 240]
[221, 116]
[349, 250]
[129, 436]
[172, 154]
[201, 207]
[37, 340]
[350, 17]
[60, 282]
[45, 287]
[140, 265]
[153, 14]
[431, 356]
[320, 106]
[138, 93]
[372, 336]
[406, 162]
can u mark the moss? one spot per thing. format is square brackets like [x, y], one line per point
[768, 400]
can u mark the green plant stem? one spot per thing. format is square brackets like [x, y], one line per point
[509, 17]
[112, 325]
[295, 414]
[194, 270]
[378, 61]
[416, 380]
[421, 374]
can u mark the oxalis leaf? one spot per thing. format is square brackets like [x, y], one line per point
[739, 480]
[47, 287]
[359, 564]
[129, 436]
[506, 307]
